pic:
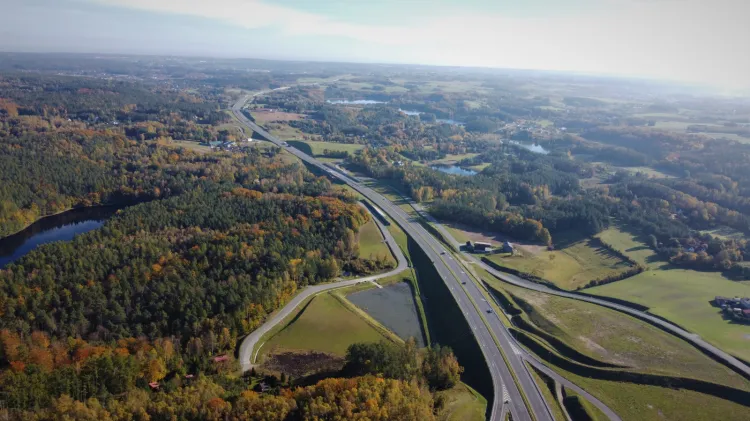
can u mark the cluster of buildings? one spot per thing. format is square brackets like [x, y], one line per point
[480, 247]
[736, 308]
[224, 144]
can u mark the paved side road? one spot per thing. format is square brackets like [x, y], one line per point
[248, 343]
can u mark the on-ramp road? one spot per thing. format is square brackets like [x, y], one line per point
[246, 357]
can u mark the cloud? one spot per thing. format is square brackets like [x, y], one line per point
[693, 40]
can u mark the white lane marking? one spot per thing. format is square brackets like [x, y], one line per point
[506, 395]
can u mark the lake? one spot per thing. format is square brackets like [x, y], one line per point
[61, 227]
[449, 121]
[355, 102]
[531, 147]
[409, 112]
[452, 169]
[437, 120]
[394, 307]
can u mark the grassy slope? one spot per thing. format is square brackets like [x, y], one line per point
[450, 159]
[591, 410]
[548, 395]
[317, 147]
[652, 403]
[683, 296]
[569, 268]
[613, 337]
[629, 245]
[371, 243]
[462, 403]
[325, 325]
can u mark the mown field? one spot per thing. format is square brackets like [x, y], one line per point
[634, 402]
[325, 325]
[316, 148]
[462, 403]
[683, 296]
[371, 245]
[570, 267]
[631, 246]
[452, 159]
[613, 337]
[284, 131]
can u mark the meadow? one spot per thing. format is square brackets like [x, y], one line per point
[615, 338]
[630, 245]
[684, 296]
[570, 268]
[316, 148]
[371, 245]
[324, 325]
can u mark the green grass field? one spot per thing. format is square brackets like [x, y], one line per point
[613, 337]
[548, 395]
[570, 268]
[284, 131]
[653, 403]
[193, 146]
[629, 245]
[325, 325]
[462, 403]
[725, 233]
[316, 148]
[683, 297]
[371, 244]
[452, 159]
[593, 412]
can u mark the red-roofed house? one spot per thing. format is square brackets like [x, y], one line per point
[220, 358]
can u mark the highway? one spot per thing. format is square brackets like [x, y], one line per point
[692, 338]
[464, 291]
[246, 357]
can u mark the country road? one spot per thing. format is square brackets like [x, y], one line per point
[246, 357]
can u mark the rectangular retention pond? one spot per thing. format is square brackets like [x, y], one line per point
[394, 307]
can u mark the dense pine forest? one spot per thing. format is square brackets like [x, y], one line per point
[205, 247]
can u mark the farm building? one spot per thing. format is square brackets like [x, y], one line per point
[507, 247]
[482, 247]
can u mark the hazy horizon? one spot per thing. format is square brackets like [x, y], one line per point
[671, 40]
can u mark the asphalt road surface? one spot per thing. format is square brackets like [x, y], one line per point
[464, 291]
[246, 357]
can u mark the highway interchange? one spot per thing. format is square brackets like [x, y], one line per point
[505, 359]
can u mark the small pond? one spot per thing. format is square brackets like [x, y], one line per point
[449, 121]
[61, 227]
[394, 307]
[452, 169]
[437, 120]
[355, 102]
[533, 147]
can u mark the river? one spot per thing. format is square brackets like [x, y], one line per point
[60, 227]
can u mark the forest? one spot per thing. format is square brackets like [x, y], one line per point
[205, 247]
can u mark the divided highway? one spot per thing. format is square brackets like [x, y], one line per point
[694, 339]
[246, 357]
[465, 292]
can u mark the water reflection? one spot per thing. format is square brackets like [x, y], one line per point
[61, 227]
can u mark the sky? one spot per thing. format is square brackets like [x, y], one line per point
[701, 41]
